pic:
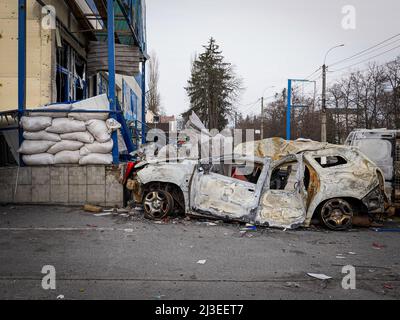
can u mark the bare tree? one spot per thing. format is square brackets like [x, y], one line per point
[153, 98]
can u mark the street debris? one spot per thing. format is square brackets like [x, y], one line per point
[249, 227]
[128, 230]
[92, 208]
[103, 214]
[319, 276]
[201, 261]
[60, 297]
[292, 284]
[388, 286]
[386, 229]
[378, 246]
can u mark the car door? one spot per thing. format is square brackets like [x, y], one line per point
[283, 199]
[224, 196]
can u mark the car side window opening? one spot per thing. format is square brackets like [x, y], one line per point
[248, 172]
[330, 161]
[284, 177]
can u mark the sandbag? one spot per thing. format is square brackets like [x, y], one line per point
[58, 106]
[96, 147]
[65, 145]
[41, 135]
[67, 157]
[33, 124]
[84, 137]
[96, 158]
[112, 125]
[98, 129]
[35, 146]
[65, 125]
[95, 103]
[40, 159]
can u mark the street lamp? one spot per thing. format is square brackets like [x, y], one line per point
[323, 115]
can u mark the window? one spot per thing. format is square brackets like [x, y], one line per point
[71, 74]
[244, 171]
[284, 177]
[330, 161]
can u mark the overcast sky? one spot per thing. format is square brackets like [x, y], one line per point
[268, 41]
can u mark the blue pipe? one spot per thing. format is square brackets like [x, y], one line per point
[111, 73]
[288, 110]
[144, 102]
[21, 66]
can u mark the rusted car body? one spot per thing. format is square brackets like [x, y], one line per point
[272, 182]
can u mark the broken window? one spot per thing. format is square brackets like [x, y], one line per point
[330, 161]
[71, 74]
[244, 171]
[284, 177]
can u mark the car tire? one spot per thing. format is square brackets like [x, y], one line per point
[157, 204]
[337, 214]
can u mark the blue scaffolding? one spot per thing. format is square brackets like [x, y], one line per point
[130, 19]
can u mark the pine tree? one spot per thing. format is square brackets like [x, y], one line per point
[212, 88]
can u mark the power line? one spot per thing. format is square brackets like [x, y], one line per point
[255, 104]
[248, 104]
[366, 60]
[316, 77]
[365, 50]
[308, 77]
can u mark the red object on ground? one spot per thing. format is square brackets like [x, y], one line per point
[378, 245]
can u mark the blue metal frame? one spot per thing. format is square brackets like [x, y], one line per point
[143, 102]
[111, 73]
[21, 66]
[290, 106]
[288, 110]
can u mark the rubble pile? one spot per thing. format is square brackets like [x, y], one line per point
[68, 137]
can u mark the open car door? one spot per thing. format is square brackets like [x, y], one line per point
[228, 191]
[283, 199]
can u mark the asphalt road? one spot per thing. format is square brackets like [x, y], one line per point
[132, 258]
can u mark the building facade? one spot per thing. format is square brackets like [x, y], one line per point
[60, 68]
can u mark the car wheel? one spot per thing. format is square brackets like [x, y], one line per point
[157, 204]
[337, 214]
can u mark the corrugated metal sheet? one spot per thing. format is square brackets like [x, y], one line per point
[127, 58]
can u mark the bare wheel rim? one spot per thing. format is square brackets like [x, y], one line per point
[337, 214]
[157, 204]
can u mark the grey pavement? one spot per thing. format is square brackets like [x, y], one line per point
[134, 258]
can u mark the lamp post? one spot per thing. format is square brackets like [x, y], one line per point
[323, 115]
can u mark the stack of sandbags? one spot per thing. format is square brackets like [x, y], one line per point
[68, 138]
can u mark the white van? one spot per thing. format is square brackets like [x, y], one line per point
[382, 146]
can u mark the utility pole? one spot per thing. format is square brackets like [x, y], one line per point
[323, 110]
[262, 119]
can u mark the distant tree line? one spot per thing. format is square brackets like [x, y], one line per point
[362, 99]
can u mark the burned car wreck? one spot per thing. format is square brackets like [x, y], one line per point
[272, 182]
